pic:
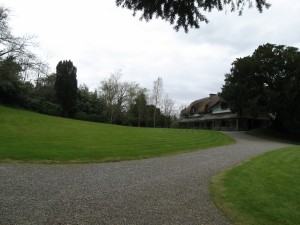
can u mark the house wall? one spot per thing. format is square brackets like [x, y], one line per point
[226, 124]
[234, 124]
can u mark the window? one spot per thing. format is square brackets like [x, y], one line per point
[193, 110]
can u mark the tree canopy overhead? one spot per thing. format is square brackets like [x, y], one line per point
[186, 13]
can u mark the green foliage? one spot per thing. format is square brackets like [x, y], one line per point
[45, 88]
[159, 120]
[185, 13]
[16, 59]
[137, 111]
[15, 91]
[183, 113]
[10, 81]
[66, 86]
[42, 106]
[27, 136]
[90, 117]
[266, 83]
[262, 191]
[89, 102]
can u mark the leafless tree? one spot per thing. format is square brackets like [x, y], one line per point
[109, 91]
[167, 107]
[117, 95]
[19, 47]
[156, 96]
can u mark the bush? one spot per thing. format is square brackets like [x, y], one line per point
[43, 107]
[89, 117]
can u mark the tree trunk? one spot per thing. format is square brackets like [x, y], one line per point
[154, 117]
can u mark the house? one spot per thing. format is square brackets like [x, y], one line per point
[213, 113]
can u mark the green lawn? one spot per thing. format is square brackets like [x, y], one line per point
[32, 137]
[262, 191]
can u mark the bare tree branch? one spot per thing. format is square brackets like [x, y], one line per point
[19, 48]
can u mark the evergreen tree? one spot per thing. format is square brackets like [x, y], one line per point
[66, 87]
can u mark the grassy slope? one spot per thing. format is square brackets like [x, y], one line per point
[27, 136]
[262, 191]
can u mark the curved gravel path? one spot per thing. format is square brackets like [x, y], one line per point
[165, 190]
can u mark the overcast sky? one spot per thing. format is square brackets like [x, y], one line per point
[100, 38]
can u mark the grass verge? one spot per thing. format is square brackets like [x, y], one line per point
[263, 191]
[31, 137]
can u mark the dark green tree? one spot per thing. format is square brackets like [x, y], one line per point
[186, 13]
[10, 81]
[159, 119]
[90, 106]
[84, 99]
[66, 87]
[141, 104]
[266, 83]
[137, 110]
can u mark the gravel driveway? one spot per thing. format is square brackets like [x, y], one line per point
[165, 190]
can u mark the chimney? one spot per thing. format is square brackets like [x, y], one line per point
[212, 95]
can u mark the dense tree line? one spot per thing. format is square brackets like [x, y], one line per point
[123, 103]
[114, 101]
[267, 83]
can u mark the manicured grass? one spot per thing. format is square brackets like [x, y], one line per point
[32, 137]
[262, 191]
[271, 134]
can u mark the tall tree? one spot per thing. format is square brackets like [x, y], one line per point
[156, 96]
[182, 112]
[137, 110]
[10, 80]
[141, 103]
[83, 98]
[186, 13]
[109, 91]
[66, 86]
[118, 96]
[90, 105]
[167, 108]
[266, 83]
